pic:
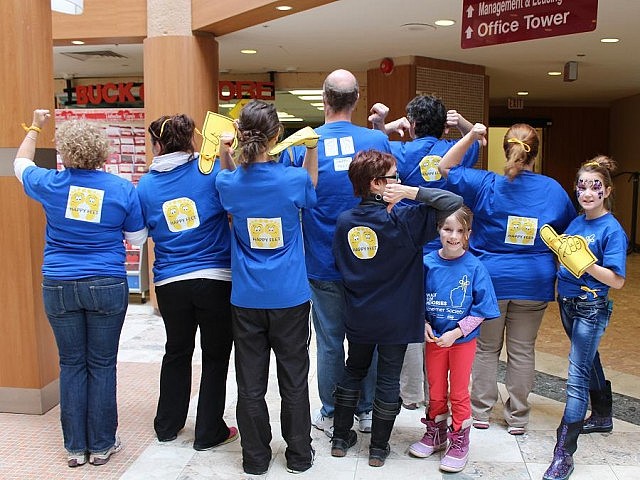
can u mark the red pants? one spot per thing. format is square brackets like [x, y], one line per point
[449, 372]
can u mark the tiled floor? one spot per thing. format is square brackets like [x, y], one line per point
[31, 446]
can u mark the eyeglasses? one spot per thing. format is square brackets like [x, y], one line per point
[395, 177]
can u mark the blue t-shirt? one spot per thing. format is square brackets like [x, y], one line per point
[267, 253]
[338, 144]
[507, 217]
[379, 255]
[184, 216]
[455, 289]
[418, 162]
[87, 213]
[608, 242]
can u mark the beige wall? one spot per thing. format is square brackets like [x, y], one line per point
[625, 116]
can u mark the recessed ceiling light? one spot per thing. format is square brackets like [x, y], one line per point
[444, 23]
[305, 92]
[317, 104]
[609, 40]
[226, 105]
[523, 93]
[554, 74]
[290, 119]
[310, 98]
[77, 42]
[248, 51]
[284, 8]
[320, 108]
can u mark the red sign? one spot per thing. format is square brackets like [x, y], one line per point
[108, 93]
[493, 22]
[230, 90]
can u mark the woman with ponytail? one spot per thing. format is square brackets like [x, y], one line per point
[192, 277]
[270, 291]
[508, 212]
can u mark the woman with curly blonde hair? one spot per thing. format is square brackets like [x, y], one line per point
[89, 213]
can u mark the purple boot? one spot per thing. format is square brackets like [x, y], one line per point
[601, 407]
[562, 465]
[457, 453]
[434, 439]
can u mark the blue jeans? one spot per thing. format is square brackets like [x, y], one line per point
[329, 310]
[86, 317]
[390, 360]
[584, 321]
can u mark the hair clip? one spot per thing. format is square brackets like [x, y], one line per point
[526, 146]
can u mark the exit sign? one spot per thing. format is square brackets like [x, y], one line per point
[496, 22]
[515, 103]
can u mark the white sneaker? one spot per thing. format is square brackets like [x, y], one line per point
[364, 421]
[103, 457]
[322, 423]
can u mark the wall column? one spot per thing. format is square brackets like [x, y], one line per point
[28, 354]
[180, 72]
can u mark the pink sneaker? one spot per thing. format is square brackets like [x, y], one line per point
[434, 439]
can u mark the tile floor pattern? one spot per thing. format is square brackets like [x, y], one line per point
[31, 446]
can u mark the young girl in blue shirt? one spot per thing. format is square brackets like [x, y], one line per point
[459, 296]
[585, 309]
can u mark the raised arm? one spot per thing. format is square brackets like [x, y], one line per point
[456, 153]
[454, 119]
[379, 112]
[445, 202]
[310, 163]
[226, 152]
[27, 149]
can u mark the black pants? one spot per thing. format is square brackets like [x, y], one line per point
[255, 333]
[185, 306]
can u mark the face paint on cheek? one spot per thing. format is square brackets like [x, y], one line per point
[598, 187]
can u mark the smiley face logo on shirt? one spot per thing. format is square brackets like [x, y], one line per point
[181, 214]
[429, 168]
[265, 233]
[84, 204]
[363, 242]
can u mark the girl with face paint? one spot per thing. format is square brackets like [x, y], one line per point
[585, 312]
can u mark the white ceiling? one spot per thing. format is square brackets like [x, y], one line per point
[352, 33]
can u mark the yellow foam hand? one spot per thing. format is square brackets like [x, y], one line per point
[305, 136]
[572, 250]
[212, 129]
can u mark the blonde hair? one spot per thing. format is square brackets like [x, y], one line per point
[603, 166]
[82, 145]
[520, 146]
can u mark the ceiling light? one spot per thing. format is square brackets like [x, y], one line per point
[248, 51]
[609, 40]
[282, 115]
[523, 93]
[554, 74]
[284, 8]
[305, 92]
[72, 7]
[290, 119]
[317, 104]
[320, 108]
[444, 23]
[310, 98]
[77, 42]
[226, 105]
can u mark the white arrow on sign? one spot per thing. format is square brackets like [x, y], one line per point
[470, 11]
[468, 31]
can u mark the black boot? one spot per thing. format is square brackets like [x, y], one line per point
[601, 406]
[345, 406]
[384, 416]
[567, 443]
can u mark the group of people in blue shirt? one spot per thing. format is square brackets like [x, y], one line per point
[389, 257]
